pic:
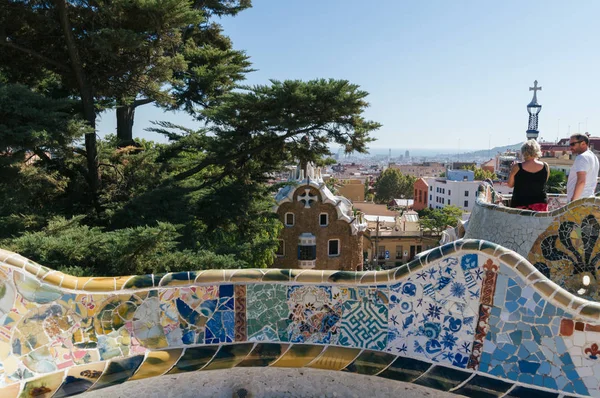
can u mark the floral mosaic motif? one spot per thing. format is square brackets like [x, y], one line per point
[568, 250]
[592, 351]
[434, 313]
[314, 314]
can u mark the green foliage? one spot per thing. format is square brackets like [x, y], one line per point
[83, 250]
[437, 220]
[480, 174]
[392, 184]
[200, 201]
[556, 182]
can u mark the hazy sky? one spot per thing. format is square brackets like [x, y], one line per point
[441, 74]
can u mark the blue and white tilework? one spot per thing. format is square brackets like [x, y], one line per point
[583, 347]
[364, 321]
[434, 312]
[523, 342]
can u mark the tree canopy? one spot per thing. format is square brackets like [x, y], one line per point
[437, 220]
[392, 184]
[481, 174]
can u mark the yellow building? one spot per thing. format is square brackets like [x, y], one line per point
[392, 241]
[353, 190]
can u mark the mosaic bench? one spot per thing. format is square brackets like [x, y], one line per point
[562, 243]
[469, 317]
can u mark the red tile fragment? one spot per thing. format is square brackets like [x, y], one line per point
[579, 326]
[566, 327]
[592, 328]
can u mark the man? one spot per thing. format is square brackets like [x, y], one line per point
[582, 178]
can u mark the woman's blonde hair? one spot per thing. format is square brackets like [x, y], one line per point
[531, 149]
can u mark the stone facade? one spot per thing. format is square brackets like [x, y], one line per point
[308, 220]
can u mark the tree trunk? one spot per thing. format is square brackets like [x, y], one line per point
[87, 99]
[125, 117]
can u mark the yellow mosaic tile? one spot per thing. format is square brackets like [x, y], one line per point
[53, 278]
[11, 391]
[335, 358]
[70, 282]
[211, 276]
[229, 356]
[298, 355]
[310, 276]
[246, 275]
[157, 363]
[100, 285]
[43, 387]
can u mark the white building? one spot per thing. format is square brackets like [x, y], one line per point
[459, 189]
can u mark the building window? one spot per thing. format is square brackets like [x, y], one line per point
[449, 192]
[398, 252]
[430, 198]
[448, 201]
[280, 248]
[334, 247]
[466, 193]
[323, 219]
[289, 219]
[466, 203]
[307, 253]
[431, 188]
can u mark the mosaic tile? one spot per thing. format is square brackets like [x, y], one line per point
[80, 379]
[315, 315]
[405, 369]
[298, 355]
[370, 362]
[268, 312]
[194, 358]
[334, 358]
[524, 392]
[240, 327]
[42, 387]
[442, 378]
[481, 386]
[229, 356]
[118, 371]
[433, 313]
[157, 363]
[519, 345]
[264, 354]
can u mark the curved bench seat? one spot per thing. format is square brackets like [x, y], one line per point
[469, 317]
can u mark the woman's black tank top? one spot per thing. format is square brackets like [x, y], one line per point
[529, 187]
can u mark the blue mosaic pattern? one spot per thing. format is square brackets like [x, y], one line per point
[434, 314]
[523, 343]
[364, 324]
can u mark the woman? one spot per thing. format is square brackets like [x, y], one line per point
[529, 179]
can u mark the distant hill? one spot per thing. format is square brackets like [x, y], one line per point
[488, 153]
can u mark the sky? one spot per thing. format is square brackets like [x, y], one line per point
[440, 74]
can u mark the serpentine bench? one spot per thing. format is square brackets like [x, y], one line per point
[469, 317]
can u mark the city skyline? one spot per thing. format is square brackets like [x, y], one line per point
[454, 74]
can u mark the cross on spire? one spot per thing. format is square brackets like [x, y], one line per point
[535, 88]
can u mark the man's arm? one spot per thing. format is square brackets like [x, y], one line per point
[579, 185]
